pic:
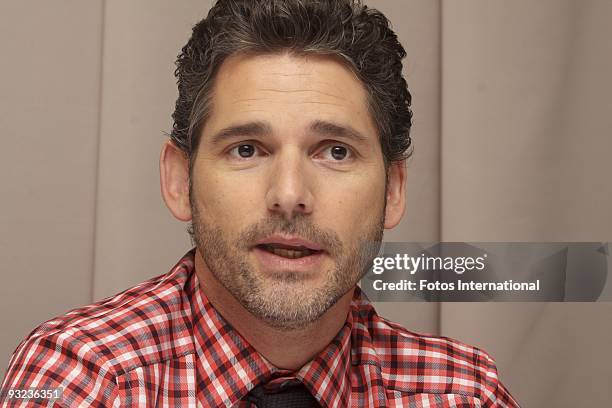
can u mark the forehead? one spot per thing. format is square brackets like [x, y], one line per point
[288, 90]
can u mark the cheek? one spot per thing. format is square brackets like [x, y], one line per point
[223, 198]
[352, 205]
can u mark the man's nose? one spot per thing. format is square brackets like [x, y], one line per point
[289, 192]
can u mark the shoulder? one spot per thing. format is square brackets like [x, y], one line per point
[90, 346]
[131, 328]
[419, 363]
[438, 358]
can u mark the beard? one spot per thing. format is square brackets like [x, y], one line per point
[285, 300]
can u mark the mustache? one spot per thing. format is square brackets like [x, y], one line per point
[298, 226]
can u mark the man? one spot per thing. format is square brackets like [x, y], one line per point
[287, 155]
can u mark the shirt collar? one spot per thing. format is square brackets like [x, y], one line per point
[228, 367]
[328, 374]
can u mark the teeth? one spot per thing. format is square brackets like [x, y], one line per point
[289, 253]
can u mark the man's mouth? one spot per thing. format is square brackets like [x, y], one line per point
[288, 251]
[289, 246]
[280, 253]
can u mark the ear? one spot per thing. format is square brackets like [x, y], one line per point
[396, 194]
[174, 180]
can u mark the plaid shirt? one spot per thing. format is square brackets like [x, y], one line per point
[161, 343]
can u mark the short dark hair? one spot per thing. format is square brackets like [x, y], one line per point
[347, 29]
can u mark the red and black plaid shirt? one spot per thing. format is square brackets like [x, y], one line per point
[161, 343]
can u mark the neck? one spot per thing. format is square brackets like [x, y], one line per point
[285, 349]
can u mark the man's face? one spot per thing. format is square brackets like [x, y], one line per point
[288, 185]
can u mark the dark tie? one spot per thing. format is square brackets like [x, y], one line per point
[293, 396]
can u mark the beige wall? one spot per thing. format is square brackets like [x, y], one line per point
[526, 148]
[50, 69]
[512, 142]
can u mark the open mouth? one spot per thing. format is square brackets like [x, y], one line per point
[288, 251]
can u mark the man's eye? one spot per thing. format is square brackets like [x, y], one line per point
[244, 150]
[337, 153]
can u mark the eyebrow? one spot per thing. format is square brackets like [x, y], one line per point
[248, 129]
[258, 128]
[325, 128]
